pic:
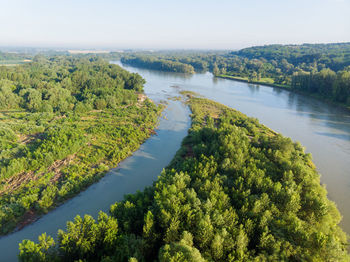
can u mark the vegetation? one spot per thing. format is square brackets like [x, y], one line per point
[63, 123]
[333, 56]
[158, 64]
[319, 69]
[236, 191]
[14, 58]
[5, 56]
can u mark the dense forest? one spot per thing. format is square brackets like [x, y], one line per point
[158, 64]
[7, 58]
[235, 191]
[333, 56]
[12, 56]
[319, 69]
[65, 121]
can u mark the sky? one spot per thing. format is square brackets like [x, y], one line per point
[174, 24]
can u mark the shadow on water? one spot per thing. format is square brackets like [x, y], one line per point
[314, 123]
[158, 73]
[344, 137]
[253, 88]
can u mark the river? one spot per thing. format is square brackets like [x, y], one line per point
[322, 128]
[132, 174]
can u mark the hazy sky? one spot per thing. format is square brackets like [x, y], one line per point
[220, 24]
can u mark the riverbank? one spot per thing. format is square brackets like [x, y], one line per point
[322, 128]
[61, 135]
[264, 83]
[133, 174]
[110, 136]
[158, 64]
[285, 87]
[235, 190]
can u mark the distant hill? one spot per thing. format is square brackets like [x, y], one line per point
[335, 56]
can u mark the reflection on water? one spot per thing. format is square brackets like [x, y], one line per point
[253, 88]
[322, 128]
[345, 137]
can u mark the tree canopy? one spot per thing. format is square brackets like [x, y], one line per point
[235, 191]
[319, 69]
[64, 122]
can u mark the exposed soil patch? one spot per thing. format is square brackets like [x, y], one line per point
[16, 181]
[57, 166]
[189, 151]
[29, 217]
[25, 139]
[140, 99]
[58, 117]
[88, 117]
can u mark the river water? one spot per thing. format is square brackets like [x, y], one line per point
[322, 128]
[134, 173]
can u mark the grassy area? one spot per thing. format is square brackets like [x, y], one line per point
[82, 148]
[263, 81]
[63, 123]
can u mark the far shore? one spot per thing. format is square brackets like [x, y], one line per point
[285, 87]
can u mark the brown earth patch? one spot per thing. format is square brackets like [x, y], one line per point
[16, 181]
[189, 151]
[29, 217]
[140, 99]
[88, 117]
[57, 166]
[25, 139]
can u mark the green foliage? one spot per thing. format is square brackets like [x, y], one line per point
[8, 99]
[318, 69]
[41, 252]
[334, 56]
[64, 122]
[334, 86]
[158, 64]
[13, 58]
[236, 191]
[182, 251]
[60, 83]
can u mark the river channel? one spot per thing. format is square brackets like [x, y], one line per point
[324, 130]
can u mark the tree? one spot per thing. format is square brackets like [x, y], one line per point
[216, 70]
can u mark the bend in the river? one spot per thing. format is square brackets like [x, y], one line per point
[132, 174]
[323, 128]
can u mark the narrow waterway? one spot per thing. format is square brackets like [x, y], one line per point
[133, 174]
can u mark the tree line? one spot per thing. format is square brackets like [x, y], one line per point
[320, 69]
[64, 122]
[158, 64]
[235, 191]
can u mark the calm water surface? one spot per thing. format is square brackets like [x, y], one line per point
[322, 128]
[133, 174]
